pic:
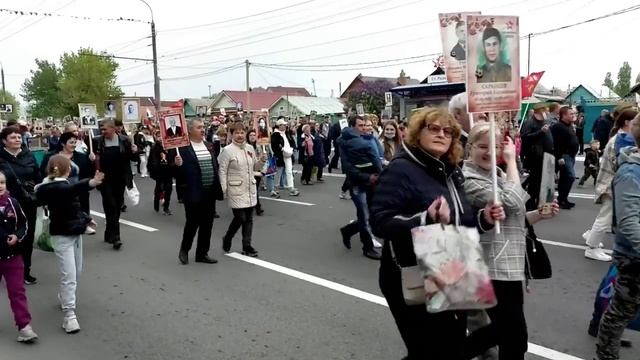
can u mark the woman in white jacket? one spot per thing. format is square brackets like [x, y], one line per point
[238, 167]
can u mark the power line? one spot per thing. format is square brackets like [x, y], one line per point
[352, 64]
[615, 13]
[236, 19]
[76, 17]
[296, 48]
[35, 22]
[234, 41]
[192, 76]
[347, 69]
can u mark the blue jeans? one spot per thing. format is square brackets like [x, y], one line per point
[359, 196]
[567, 177]
[270, 180]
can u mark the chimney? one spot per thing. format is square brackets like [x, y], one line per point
[402, 80]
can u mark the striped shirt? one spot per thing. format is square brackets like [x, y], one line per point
[204, 160]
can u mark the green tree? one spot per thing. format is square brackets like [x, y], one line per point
[623, 85]
[9, 98]
[87, 77]
[638, 79]
[42, 91]
[371, 96]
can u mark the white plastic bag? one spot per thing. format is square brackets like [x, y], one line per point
[450, 259]
[132, 196]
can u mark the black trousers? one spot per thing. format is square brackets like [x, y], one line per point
[589, 172]
[327, 150]
[199, 219]
[320, 172]
[258, 182]
[345, 185]
[336, 157]
[580, 135]
[534, 165]
[307, 168]
[166, 186]
[112, 201]
[30, 212]
[508, 328]
[241, 218]
[438, 336]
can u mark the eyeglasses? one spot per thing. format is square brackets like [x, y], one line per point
[436, 129]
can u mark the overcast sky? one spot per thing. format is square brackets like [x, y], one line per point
[307, 32]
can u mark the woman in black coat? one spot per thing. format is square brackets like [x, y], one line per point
[160, 170]
[414, 190]
[81, 167]
[22, 172]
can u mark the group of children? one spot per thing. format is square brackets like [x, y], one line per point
[67, 223]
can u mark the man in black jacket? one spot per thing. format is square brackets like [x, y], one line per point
[565, 145]
[114, 153]
[362, 167]
[334, 133]
[536, 140]
[197, 176]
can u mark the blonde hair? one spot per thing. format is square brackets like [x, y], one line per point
[420, 119]
[477, 132]
[57, 166]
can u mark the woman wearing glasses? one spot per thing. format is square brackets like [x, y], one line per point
[419, 187]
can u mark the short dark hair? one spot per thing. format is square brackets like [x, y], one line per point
[491, 32]
[353, 119]
[13, 129]
[66, 137]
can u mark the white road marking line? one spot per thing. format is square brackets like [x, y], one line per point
[127, 222]
[570, 246]
[533, 348]
[287, 201]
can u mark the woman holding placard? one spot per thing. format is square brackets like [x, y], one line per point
[421, 186]
[504, 253]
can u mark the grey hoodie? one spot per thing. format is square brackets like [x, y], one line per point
[626, 197]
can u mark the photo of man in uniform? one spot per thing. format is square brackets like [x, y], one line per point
[494, 68]
[131, 111]
[88, 119]
[459, 51]
[172, 124]
[110, 109]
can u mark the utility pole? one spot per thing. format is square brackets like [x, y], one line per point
[313, 81]
[156, 79]
[529, 54]
[339, 88]
[248, 105]
[4, 94]
[209, 91]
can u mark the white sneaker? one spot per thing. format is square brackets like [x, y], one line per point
[597, 254]
[586, 235]
[376, 243]
[90, 231]
[27, 335]
[70, 324]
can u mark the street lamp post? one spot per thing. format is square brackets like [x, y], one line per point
[156, 85]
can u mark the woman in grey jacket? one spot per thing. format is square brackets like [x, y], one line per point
[504, 253]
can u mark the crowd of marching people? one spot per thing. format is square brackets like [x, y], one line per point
[436, 168]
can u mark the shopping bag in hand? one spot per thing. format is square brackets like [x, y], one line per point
[42, 236]
[132, 196]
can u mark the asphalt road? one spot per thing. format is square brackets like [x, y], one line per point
[310, 298]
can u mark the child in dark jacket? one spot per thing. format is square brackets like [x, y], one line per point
[67, 223]
[162, 173]
[591, 163]
[13, 228]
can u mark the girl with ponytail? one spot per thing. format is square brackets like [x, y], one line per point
[67, 223]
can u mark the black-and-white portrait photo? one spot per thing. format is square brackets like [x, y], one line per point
[110, 109]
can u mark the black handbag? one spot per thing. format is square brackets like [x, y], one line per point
[537, 263]
[27, 188]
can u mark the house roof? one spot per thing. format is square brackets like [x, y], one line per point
[292, 91]
[392, 81]
[259, 100]
[321, 105]
[199, 102]
[589, 89]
